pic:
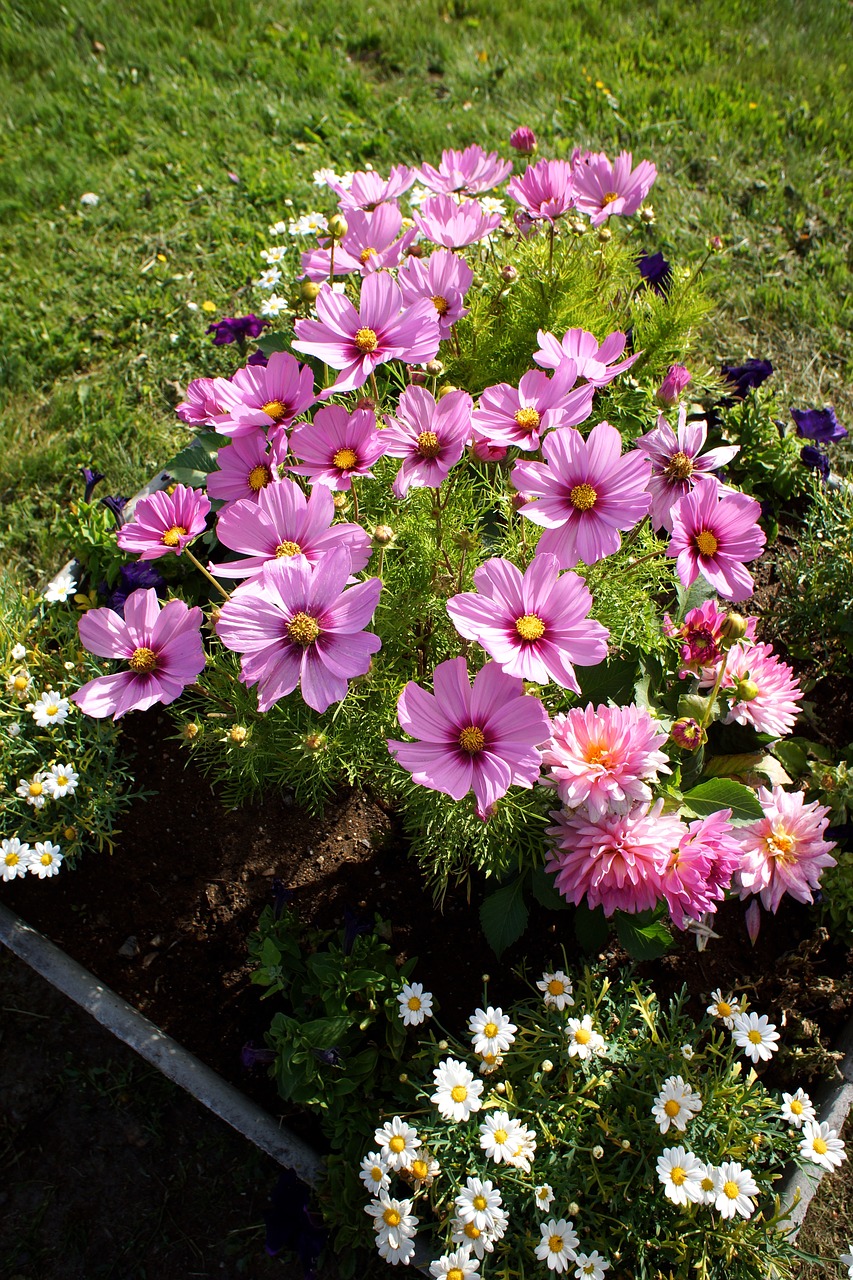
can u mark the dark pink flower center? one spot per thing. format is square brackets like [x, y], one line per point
[429, 445]
[143, 661]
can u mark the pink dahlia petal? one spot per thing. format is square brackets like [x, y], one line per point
[616, 862]
[785, 852]
[762, 689]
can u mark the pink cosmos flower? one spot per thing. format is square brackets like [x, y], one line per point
[534, 624]
[430, 437]
[523, 140]
[160, 647]
[483, 738]
[616, 863]
[545, 190]
[593, 362]
[280, 523]
[521, 415]
[442, 221]
[714, 533]
[700, 868]
[604, 189]
[295, 624]
[369, 189]
[370, 244]
[444, 278]
[603, 758]
[471, 171]
[702, 636]
[164, 522]
[764, 692]
[585, 494]
[357, 342]
[676, 465]
[247, 466]
[337, 446]
[204, 401]
[785, 851]
[270, 395]
[676, 380]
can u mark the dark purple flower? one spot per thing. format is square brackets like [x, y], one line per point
[328, 1057]
[281, 896]
[819, 424]
[291, 1224]
[814, 457]
[258, 357]
[236, 329]
[116, 504]
[92, 478]
[655, 270]
[132, 577]
[743, 377]
[353, 926]
[251, 1056]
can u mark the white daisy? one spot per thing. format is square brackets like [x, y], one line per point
[724, 1007]
[591, 1266]
[522, 1148]
[50, 709]
[397, 1142]
[558, 1245]
[583, 1040]
[415, 1004]
[797, 1108]
[491, 1031]
[457, 1093]
[310, 224]
[688, 1053]
[822, 1145]
[491, 205]
[455, 1266]
[61, 780]
[19, 684]
[19, 652]
[90, 200]
[63, 586]
[416, 196]
[393, 1220]
[675, 1104]
[45, 860]
[33, 790]
[469, 1235]
[499, 1136]
[479, 1202]
[543, 1197]
[268, 279]
[556, 989]
[733, 1186]
[708, 1184]
[276, 253]
[490, 1063]
[325, 177]
[278, 229]
[14, 858]
[395, 1249]
[423, 1170]
[374, 1173]
[757, 1036]
[273, 305]
[680, 1173]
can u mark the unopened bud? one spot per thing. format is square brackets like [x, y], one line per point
[309, 289]
[646, 214]
[415, 251]
[716, 244]
[605, 234]
[403, 1078]
[688, 733]
[366, 402]
[486, 977]
[435, 368]
[547, 1065]
[315, 743]
[597, 1153]
[523, 139]
[445, 391]
[190, 731]
[383, 534]
[70, 833]
[500, 1087]
[578, 227]
[745, 690]
[574, 1209]
[442, 1044]
[238, 733]
[214, 615]
[509, 273]
[733, 626]
[338, 226]
[340, 501]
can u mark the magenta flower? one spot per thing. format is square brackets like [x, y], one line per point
[369, 189]
[702, 635]
[370, 244]
[337, 446]
[523, 140]
[545, 190]
[763, 690]
[280, 523]
[521, 415]
[534, 624]
[247, 466]
[444, 278]
[594, 363]
[715, 533]
[429, 437]
[358, 342]
[785, 851]
[676, 380]
[700, 868]
[270, 395]
[294, 624]
[161, 649]
[204, 401]
[483, 737]
[676, 465]
[604, 189]
[603, 758]
[585, 494]
[164, 522]
[442, 221]
[471, 172]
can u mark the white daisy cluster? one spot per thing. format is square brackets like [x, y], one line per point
[506, 1139]
[558, 1249]
[16, 859]
[754, 1033]
[729, 1188]
[55, 783]
[309, 224]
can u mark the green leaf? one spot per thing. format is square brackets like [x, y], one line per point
[544, 892]
[642, 941]
[503, 916]
[362, 978]
[325, 1033]
[792, 756]
[592, 928]
[270, 954]
[193, 464]
[700, 591]
[614, 679]
[724, 793]
[269, 343]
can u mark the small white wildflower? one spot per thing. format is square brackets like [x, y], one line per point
[757, 1036]
[61, 780]
[14, 858]
[675, 1104]
[374, 1173]
[45, 859]
[688, 1053]
[33, 790]
[89, 199]
[268, 279]
[457, 1093]
[63, 586]
[591, 1266]
[556, 989]
[724, 1007]
[310, 224]
[491, 1031]
[458, 1265]
[19, 652]
[822, 1145]
[797, 1108]
[415, 1004]
[13, 729]
[274, 254]
[397, 1143]
[278, 229]
[680, 1173]
[558, 1246]
[273, 305]
[543, 1197]
[583, 1040]
[50, 708]
[734, 1186]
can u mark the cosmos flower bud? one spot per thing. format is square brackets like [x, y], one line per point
[415, 251]
[338, 226]
[309, 289]
[383, 534]
[190, 731]
[646, 214]
[676, 380]
[733, 626]
[578, 227]
[688, 733]
[605, 234]
[314, 743]
[715, 244]
[238, 733]
[340, 501]
[366, 402]
[745, 690]
[523, 140]
[435, 368]
[509, 273]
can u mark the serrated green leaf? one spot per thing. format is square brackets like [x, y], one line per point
[592, 928]
[503, 916]
[642, 941]
[724, 793]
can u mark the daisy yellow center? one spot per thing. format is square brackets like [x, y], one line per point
[582, 1036]
[366, 340]
[724, 1009]
[490, 1030]
[397, 1144]
[414, 1004]
[754, 1037]
[679, 467]
[456, 1273]
[345, 459]
[11, 859]
[797, 1107]
[51, 709]
[391, 1217]
[420, 1169]
[555, 987]
[36, 789]
[528, 419]
[706, 543]
[142, 661]
[672, 1108]
[707, 1184]
[472, 740]
[501, 1136]
[459, 1093]
[583, 497]
[21, 682]
[731, 1189]
[472, 1232]
[611, 196]
[287, 549]
[366, 255]
[441, 305]
[820, 1146]
[259, 477]
[376, 1173]
[429, 445]
[544, 1193]
[172, 536]
[61, 780]
[303, 629]
[678, 1175]
[274, 409]
[779, 844]
[556, 1244]
[530, 627]
[46, 859]
[479, 1203]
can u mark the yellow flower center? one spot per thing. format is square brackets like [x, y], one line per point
[459, 1093]
[556, 1244]
[287, 549]
[259, 477]
[583, 497]
[366, 340]
[490, 1030]
[611, 196]
[366, 254]
[678, 1175]
[724, 1009]
[172, 536]
[397, 1144]
[420, 1169]
[36, 788]
[555, 986]
[345, 459]
[441, 305]
[754, 1037]
[672, 1108]
[779, 844]
[391, 1217]
[414, 1003]
[472, 1232]
[820, 1146]
[303, 629]
[46, 859]
[707, 1183]
[528, 419]
[472, 739]
[456, 1273]
[731, 1189]
[706, 543]
[143, 661]
[582, 1036]
[51, 709]
[500, 1137]
[61, 780]
[274, 409]
[530, 627]
[429, 445]
[11, 859]
[796, 1107]
[21, 682]
[679, 467]
[376, 1173]
[479, 1203]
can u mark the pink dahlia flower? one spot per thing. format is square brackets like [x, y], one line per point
[594, 363]
[603, 189]
[294, 624]
[603, 758]
[160, 647]
[204, 401]
[521, 415]
[247, 466]
[337, 446]
[545, 190]
[164, 522]
[785, 851]
[270, 395]
[370, 244]
[585, 494]
[702, 636]
[534, 624]
[442, 221]
[444, 278]
[369, 189]
[616, 863]
[281, 523]
[763, 690]
[483, 737]
[700, 868]
[713, 533]
[677, 466]
[430, 437]
[357, 342]
[471, 172]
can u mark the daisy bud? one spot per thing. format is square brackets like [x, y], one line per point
[70, 833]
[309, 289]
[435, 368]
[605, 234]
[500, 1087]
[340, 501]
[745, 690]
[383, 534]
[338, 226]
[445, 391]
[442, 1044]
[509, 273]
[485, 977]
[597, 1153]
[403, 1078]
[626, 1145]
[688, 733]
[574, 1209]
[646, 214]
[733, 627]
[547, 1065]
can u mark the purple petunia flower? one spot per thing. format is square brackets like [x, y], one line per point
[444, 279]
[523, 140]
[294, 624]
[521, 415]
[247, 466]
[429, 437]
[820, 425]
[161, 648]
[603, 189]
[115, 503]
[470, 172]
[164, 522]
[715, 533]
[812, 456]
[594, 363]
[744, 377]
[676, 465]
[368, 189]
[236, 329]
[545, 190]
[268, 396]
[585, 494]
[484, 738]
[655, 270]
[534, 624]
[370, 244]
[133, 577]
[91, 479]
[337, 446]
[442, 221]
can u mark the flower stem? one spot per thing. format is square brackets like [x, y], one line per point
[716, 689]
[354, 498]
[207, 575]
